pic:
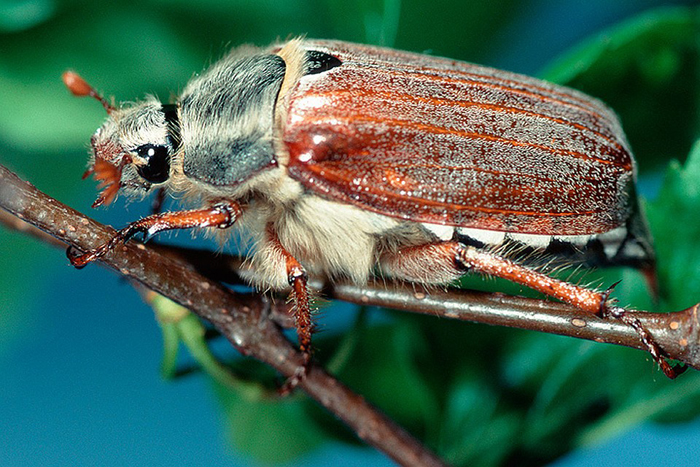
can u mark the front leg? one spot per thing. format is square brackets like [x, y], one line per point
[222, 215]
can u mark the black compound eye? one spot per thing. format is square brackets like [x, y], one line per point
[157, 168]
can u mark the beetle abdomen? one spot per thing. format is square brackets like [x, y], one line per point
[434, 140]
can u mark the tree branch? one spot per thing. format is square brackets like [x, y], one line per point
[242, 318]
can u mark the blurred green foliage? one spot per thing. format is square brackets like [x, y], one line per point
[646, 69]
[477, 395]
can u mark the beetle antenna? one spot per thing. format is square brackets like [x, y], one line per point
[79, 87]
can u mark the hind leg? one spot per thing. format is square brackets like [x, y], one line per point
[440, 263]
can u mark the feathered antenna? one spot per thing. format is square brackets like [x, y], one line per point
[79, 87]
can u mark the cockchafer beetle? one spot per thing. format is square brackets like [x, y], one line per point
[346, 160]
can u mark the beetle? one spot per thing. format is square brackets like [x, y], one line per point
[345, 160]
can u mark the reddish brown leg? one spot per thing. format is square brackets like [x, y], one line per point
[221, 215]
[474, 259]
[488, 263]
[297, 277]
[648, 340]
[586, 299]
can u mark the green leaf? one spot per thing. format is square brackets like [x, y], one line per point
[640, 409]
[675, 223]
[178, 324]
[386, 368]
[171, 344]
[478, 427]
[648, 70]
[270, 431]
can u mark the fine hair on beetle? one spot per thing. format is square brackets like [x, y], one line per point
[350, 161]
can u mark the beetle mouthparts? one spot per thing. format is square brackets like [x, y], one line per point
[109, 175]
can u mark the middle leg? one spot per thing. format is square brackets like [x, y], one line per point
[297, 279]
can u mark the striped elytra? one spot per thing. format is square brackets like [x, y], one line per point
[439, 141]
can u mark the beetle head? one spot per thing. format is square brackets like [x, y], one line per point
[133, 148]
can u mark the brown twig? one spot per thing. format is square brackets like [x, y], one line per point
[242, 318]
[677, 333]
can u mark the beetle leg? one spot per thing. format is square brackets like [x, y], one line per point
[158, 201]
[647, 339]
[413, 263]
[588, 300]
[471, 258]
[431, 263]
[222, 215]
[297, 277]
